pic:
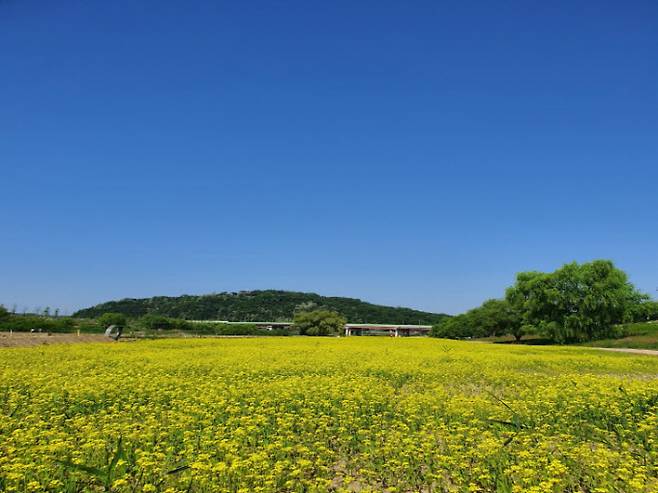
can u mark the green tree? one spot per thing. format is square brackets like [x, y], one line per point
[495, 317]
[155, 322]
[458, 327]
[498, 317]
[646, 311]
[319, 323]
[118, 319]
[577, 302]
[4, 314]
[306, 306]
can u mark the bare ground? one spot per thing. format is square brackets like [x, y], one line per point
[25, 339]
[650, 352]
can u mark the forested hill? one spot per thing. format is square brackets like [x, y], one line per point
[271, 306]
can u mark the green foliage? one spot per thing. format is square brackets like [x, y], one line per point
[638, 329]
[27, 323]
[458, 327]
[89, 326]
[319, 323]
[159, 322]
[494, 318]
[498, 317]
[652, 310]
[224, 329]
[577, 302]
[646, 311]
[258, 306]
[104, 475]
[109, 318]
[636, 335]
[4, 314]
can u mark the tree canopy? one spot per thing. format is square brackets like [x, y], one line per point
[645, 311]
[107, 319]
[496, 317]
[319, 323]
[577, 302]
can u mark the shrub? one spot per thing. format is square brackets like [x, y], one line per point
[223, 329]
[319, 323]
[27, 323]
[159, 322]
[107, 319]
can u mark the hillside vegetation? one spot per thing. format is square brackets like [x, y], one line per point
[251, 306]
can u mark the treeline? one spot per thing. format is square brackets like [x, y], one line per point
[151, 322]
[27, 323]
[311, 323]
[578, 302]
[258, 306]
[43, 323]
[143, 325]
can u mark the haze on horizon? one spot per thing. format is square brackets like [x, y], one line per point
[408, 155]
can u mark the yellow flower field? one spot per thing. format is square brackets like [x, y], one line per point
[336, 414]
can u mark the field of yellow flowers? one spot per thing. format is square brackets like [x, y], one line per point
[326, 414]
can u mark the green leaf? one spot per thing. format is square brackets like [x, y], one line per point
[94, 471]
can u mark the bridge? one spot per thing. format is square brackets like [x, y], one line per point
[393, 330]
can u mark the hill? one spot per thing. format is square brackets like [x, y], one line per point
[269, 305]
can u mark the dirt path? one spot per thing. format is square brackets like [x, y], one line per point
[650, 352]
[24, 339]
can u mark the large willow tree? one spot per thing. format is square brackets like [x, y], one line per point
[577, 302]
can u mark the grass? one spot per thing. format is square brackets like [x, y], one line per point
[636, 336]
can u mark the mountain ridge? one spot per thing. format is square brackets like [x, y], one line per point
[260, 305]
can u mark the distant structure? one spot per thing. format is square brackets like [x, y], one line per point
[392, 330]
[384, 329]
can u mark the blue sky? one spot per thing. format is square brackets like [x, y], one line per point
[406, 153]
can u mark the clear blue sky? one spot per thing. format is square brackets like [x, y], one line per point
[406, 153]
